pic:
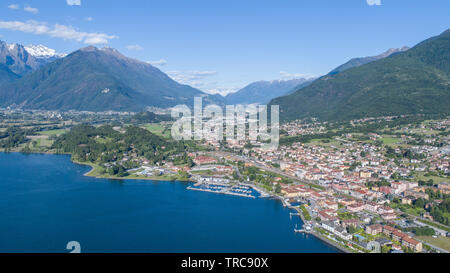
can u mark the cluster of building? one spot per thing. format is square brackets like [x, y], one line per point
[296, 128]
[328, 206]
[400, 237]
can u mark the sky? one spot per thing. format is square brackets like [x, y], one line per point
[221, 46]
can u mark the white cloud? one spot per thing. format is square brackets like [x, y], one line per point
[74, 2]
[134, 47]
[194, 78]
[201, 74]
[57, 31]
[373, 2]
[289, 76]
[31, 9]
[14, 6]
[198, 79]
[222, 90]
[160, 62]
[190, 77]
[89, 19]
[203, 80]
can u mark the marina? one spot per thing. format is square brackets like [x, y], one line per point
[224, 188]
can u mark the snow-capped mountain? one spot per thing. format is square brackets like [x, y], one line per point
[16, 58]
[41, 51]
[25, 59]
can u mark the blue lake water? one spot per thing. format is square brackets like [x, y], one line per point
[45, 202]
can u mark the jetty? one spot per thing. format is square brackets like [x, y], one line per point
[294, 214]
[302, 231]
[222, 191]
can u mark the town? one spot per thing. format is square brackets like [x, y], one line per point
[375, 185]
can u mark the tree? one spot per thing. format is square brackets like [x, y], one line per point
[190, 162]
[278, 188]
[419, 203]
[235, 175]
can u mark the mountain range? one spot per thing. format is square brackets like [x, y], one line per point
[262, 92]
[416, 81]
[22, 60]
[94, 79]
[356, 62]
[399, 81]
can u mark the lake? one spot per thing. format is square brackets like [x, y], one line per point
[46, 201]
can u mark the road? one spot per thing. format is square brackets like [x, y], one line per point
[432, 246]
[416, 220]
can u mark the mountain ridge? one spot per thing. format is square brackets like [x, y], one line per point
[263, 91]
[356, 62]
[416, 81]
[95, 79]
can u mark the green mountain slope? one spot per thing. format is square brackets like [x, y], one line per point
[97, 80]
[412, 82]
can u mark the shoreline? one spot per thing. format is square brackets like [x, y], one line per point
[89, 174]
[322, 238]
[254, 187]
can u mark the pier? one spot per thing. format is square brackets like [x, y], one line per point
[294, 214]
[304, 231]
[227, 192]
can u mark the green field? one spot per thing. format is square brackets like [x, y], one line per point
[44, 143]
[442, 242]
[52, 132]
[325, 142]
[436, 179]
[99, 172]
[103, 140]
[158, 130]
[391, 140]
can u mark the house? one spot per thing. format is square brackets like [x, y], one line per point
[331, 205]
[412, 244]
[372, 207]
[444, 187]
[406, 201]
[398, 235]
[326, 215]
[399, 187]
[294, 191]
[389, 216]
[374, 229]
[385, 209]
[355, 207]
[365, 174]
[366, 218]
[385, 189]
[416, 194]
[328, 226]
[350, 223]
[347, 202]
[388, 230]
[341, 232]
